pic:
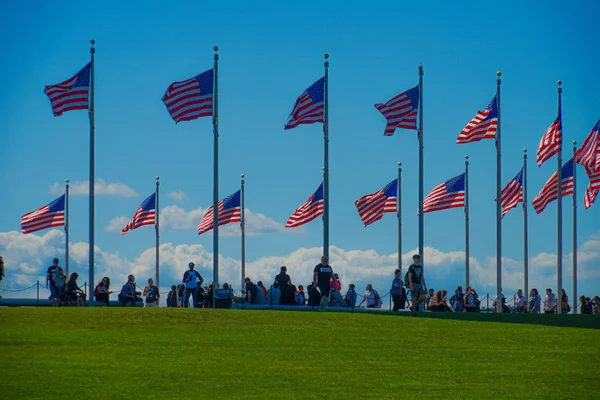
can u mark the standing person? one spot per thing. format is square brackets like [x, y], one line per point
[283, 279]
[534, 301]
[457, 300]
[191, 278]
[398, 292]
[322, 274]
[550, 305]
[520, 302]
[564, 301]
[54, 276]
[416, 280]
[172, 297]
[2, 273]
[152, 295]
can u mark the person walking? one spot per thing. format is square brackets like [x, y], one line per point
[398, 292]
[191, 279]
[54, 277]
[416, 280]
[151, 294]
[322, 274]
[2, 274]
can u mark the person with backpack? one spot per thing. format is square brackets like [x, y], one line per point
[54, 277]
[416, 281]
[398, 292]
[152, 295]
[102, 291]
[191, 279]
[372, 297]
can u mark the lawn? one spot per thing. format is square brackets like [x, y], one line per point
[127, 353]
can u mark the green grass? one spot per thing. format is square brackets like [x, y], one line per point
[117, 353]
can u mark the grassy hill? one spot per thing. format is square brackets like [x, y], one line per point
[116, 353]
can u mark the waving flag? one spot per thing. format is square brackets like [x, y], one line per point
[309, 210]
[310, 106]
[512, 194]
[45, 217]
[190, 99]
[483, 126]
[401, 111]
[229, 210]
[372, 206]
[588, 154]
[145, 215]
[549, 191]
[590, 196]
[71, 94]
[551, 141]
[450, 194]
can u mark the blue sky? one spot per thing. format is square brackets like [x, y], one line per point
[270, 53]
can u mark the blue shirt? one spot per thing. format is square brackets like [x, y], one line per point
[190, 279]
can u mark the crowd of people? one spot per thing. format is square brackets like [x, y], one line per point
[324, 291]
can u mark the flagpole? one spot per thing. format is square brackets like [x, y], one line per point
[525, 227]
[92, 180]
[559, 203]
[467, 220]
[216, 176]
[156, 228]
[420, 133]
[498, 198]
[326, 167]
[67, 226]
[574, 293]
[399, 210]
[243, 226]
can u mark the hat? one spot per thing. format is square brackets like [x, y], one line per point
[191, 264]
[55, 260]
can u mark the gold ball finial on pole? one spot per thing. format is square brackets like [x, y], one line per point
[216, 48]
[67, 181]
[498, 74]
[574, 142]
[466, 157]
[559, 82]
[157, 177]
[399, 164]
[92, 42]
[243, 176]
[524, 150]
[326, 55]
[420, 67]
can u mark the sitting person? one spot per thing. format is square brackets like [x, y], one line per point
[151, 294]
[350, 297]
[595, 304]
[251, 291]
[314, 296]
[128, 293]
[75, 293]
[274, 295]
[371, 297]
[439, 302]
[335, 283]
[586, 306]
[533, 305]
[428, 299]
[260, 285]
[102, 291]
[180, 294]
[261, 296]
[288, 296]
[172, 297]
[300, 296]
[336, 299]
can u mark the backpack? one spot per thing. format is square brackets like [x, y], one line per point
[406, 281]
[97, 290]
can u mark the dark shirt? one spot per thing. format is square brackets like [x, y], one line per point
[324, 274]
[283, 280]
[72, 287]
[152, 294]
[416, 275]
[314, 297]
[1, 269]
[288, 297]
[252, 290]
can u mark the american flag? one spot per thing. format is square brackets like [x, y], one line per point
[401, 111]
[45, 217]
[72, 94]
[588, 154]
[512, 194]
[190, 99]
[229, 211]
[450, 194]
[483, 126]
[145, 215]
[551, 142]
[549, 191]
[372, 206]
[310, 106]
[309, 210]
[593, 187]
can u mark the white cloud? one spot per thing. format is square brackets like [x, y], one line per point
[116, 224]
[27, 257]
[178, 195]
[101, 188]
